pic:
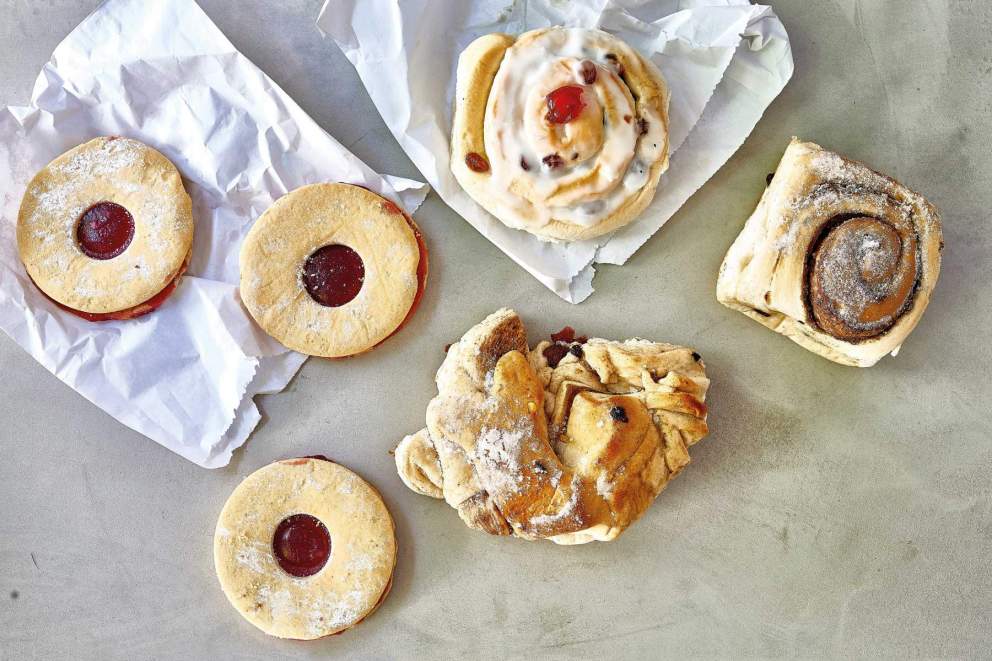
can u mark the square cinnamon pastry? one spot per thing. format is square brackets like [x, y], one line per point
[837, 257]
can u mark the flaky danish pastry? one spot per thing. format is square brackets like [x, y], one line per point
[570, 441]
[837, 257]
[562, 132]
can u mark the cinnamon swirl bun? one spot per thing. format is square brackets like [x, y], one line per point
[837, 257]
[562, 132]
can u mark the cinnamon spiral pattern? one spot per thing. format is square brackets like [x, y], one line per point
[562, 132]
[837, 257]
[861, 277]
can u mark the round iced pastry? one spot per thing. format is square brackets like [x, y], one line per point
[305, 548]
[332, 269]
[562, 132]
[106, 229]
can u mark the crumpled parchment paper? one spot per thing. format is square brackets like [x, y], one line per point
[161, 72]
[725, 61]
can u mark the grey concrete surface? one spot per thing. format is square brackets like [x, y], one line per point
[831, 512]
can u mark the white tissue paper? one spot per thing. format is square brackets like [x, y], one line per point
[161, 72]
[724, 60]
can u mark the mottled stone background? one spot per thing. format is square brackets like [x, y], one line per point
[831, 512]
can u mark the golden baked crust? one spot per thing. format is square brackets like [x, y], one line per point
[292, 229]
[572, 453]
[107, 169]
[358, 572]
[776, 272]
[613, 154]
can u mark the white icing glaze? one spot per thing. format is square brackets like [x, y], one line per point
[611, 159]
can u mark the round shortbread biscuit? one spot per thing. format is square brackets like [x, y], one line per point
[127, 178]
[372, 242]
[343, 590]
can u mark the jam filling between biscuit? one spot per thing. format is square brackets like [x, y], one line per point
[333, 275]
[105, 230]
[301, 545]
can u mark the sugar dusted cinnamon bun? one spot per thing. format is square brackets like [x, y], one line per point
[837, 257]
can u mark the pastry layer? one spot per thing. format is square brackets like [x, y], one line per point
[570, 446]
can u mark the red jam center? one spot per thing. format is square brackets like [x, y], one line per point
[105, 230]
[333, 275]
[565, 104]
[301, 545]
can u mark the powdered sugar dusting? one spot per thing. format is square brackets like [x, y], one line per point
[333, 611]
[79, 171]
[253, 558]
[604, 485]
[860, 265]
[842, 181]
[497, 456]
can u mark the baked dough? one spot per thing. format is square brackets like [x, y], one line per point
[352, 583]
[309, 218]
[570, 180]
[108, 169]
[572, 449]
[838, 258]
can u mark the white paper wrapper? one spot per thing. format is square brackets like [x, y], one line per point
[184, 375]
[725, 60]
